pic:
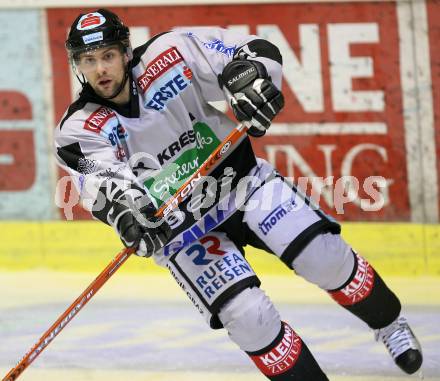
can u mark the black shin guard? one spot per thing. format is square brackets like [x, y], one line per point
[287, 358]
[367, 296]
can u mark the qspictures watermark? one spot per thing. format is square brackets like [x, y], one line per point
[369, 195]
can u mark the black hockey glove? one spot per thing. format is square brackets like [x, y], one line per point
[255, 97]
[146, 238]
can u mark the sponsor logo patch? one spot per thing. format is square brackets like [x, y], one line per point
[209, 221]
[90, 21]
[216, 45]
[359, 288]
[213, 266]
[158, 67]
[98, 119]
[93, 37]
[187, 72]
[241, 75]
[166, 89]
[275, 216]
[169, 152]
[175, 173]
[165, 77]
[283, 356]
[104, 121]
[117, 135]
[186, 289]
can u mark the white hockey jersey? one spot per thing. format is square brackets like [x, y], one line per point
[167, 130]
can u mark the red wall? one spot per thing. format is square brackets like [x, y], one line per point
[288, 17]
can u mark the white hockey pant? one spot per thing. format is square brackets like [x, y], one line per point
[251, 319]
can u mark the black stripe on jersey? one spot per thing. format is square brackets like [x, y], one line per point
[140, 50]
[259, 48]
[74, 107]
[74, 158]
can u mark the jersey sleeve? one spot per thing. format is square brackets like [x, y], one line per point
[208, 50]
[99, 176]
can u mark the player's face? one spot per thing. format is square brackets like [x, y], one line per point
[104, 69]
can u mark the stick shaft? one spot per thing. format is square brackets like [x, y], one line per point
[68, 315]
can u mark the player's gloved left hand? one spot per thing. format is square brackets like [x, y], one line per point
[255, 97]
[146, 238]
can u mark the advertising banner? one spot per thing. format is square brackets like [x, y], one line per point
[344, 135]
[433, 12]
[25, 186]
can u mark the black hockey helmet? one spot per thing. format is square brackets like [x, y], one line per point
[95, 30]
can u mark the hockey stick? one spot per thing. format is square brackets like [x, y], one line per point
[119, 260]
[68, 315]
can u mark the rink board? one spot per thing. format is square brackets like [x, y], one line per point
[394, 248]
[360, 82]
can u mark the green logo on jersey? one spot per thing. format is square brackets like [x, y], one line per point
[172, 176]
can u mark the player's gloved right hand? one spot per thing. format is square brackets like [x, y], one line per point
[255, 97]
[147, 239]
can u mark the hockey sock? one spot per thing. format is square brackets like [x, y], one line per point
[367, 296]
[287, 358]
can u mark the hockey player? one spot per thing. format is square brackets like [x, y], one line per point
[143, 123]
